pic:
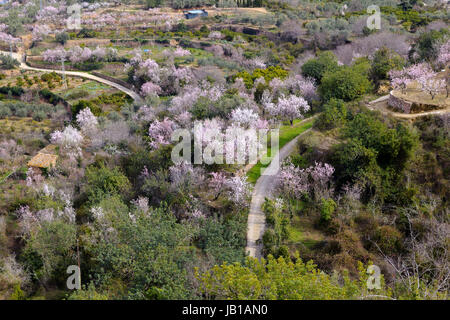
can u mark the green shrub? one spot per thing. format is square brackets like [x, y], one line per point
[334, 115]
[18, 293]
[269, 239]
[82, 104]
[39, 116]
[104, 182]
[384, 61]
[50, 96]
[268, 74]
[316, 68]
[388, 239]
[344, 83]
[62, 37]
[8, 62]
[327, 208]
[77, 95]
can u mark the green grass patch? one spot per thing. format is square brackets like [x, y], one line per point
[287, 133]
[302, 232]
[5, 176]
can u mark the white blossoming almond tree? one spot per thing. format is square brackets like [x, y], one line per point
[290, 108]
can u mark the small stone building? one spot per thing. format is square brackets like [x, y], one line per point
[45, 159]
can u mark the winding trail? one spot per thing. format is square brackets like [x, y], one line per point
[263, 188]
[79, 74]
[264, 185]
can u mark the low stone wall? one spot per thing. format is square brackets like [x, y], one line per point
[118, 81]
[405, 106]
[35, 64]
[7, 48]
[399, 104]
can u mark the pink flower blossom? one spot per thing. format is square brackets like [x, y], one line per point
[150, 89]
[180, 52]
[160, 132]
[69, 141]
[244, 117]
[290, 108]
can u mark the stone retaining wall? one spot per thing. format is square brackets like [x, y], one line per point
[118, 81]
[405, 106]
[399, 104]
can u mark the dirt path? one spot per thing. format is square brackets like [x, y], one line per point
[79, 74]
[263, 188]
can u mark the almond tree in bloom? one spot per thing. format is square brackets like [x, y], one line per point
[255, 63]
[183, 76]
[9, 39]
[401, 83]
[150, 89]
[55, 55]
[417, 72]
[69, 141]
[444, 54]
[183, 176]
[160, 132]
[295, 182]
[216, 35]
[292, 181]
[433, 86]
[208, 133]
[150, 69]
[40, 31]
[48, 11]
[217, 183]
[34, 178]
[141, 204]
[290, 108]
[77, 54]
[185, 100]
[86, 54]
[239, 84]
[99, 53]
[239, 190]
[236, 188]
[87, 122]
[31, 222]
[170, 78]
[184, 119]
[277, 87]
[180, 52]
[190, 94]
[306, 87]
[245, 117]
[320, 174]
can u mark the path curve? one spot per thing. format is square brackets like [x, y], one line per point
[79, 74]
[263, 188]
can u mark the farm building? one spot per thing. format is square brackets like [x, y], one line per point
[191, 14]
[45, 158]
